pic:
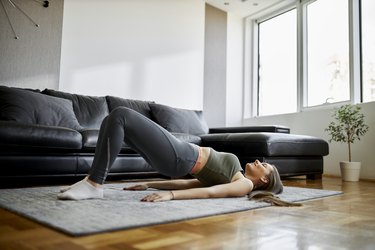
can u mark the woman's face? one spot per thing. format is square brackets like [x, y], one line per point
[257, 170]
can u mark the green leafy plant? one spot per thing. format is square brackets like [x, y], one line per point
[349, 125]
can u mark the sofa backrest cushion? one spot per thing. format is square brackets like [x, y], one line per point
[90, 110]
[139, 106]
[29, 107]
[179, 120]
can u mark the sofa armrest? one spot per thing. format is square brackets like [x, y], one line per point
[248, 129]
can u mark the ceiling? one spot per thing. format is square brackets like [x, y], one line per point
[246, 8]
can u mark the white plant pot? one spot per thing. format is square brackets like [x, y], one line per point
[350, 170]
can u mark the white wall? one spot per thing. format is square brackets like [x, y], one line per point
[215, 67]
[223, 69]
[315, 121]
[148, 50]
[33, 60]
[234, 80]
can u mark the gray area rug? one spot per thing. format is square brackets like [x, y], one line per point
[123, 209]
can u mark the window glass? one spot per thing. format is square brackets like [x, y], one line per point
[327, 52]
[277, 76]
[368, 50]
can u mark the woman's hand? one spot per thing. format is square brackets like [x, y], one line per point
[156, 197]
[137, 187]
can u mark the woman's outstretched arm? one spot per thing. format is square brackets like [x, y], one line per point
[167, 185]
[237, 188]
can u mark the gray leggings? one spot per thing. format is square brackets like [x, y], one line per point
[164, 152]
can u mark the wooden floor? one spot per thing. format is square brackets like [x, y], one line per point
[340, 222]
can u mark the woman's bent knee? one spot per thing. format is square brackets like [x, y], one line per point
[121, 111]
[120, 114]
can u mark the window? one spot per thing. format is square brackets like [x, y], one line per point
[319, 53]
[277, 71]
[327, 52]
[368, 50]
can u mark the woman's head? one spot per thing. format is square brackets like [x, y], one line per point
[264, 176]
[267, 183]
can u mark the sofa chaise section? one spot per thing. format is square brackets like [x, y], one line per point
[291, 154]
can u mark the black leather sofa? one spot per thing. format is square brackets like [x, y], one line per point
[52, 133]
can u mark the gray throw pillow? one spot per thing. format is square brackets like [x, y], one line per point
[89, 110]
[179, 120]
[29, 107]
[136, 105]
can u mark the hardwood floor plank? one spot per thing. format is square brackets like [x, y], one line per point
[170, 239]
[114, 238]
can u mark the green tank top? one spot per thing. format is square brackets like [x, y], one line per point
[219, 169]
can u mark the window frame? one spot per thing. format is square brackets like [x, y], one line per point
[258, 22]
[253, 65]
[361, 50]
[355, 61]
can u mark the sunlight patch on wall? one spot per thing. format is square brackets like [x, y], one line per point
[110, 79]
[180, 75]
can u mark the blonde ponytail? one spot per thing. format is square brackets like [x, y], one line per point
[272, 199]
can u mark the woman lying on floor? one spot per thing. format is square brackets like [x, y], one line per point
[218, 174]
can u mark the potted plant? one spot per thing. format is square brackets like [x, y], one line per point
[348, 126]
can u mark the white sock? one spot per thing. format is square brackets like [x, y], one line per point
[82, 191]
[64, 189]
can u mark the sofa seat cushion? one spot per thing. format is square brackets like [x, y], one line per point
[89, 110]
[23, 135]
[28, 107]
[267, 144]
[179, 120]
[188, 138]
[137, 105]
[90, 139]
